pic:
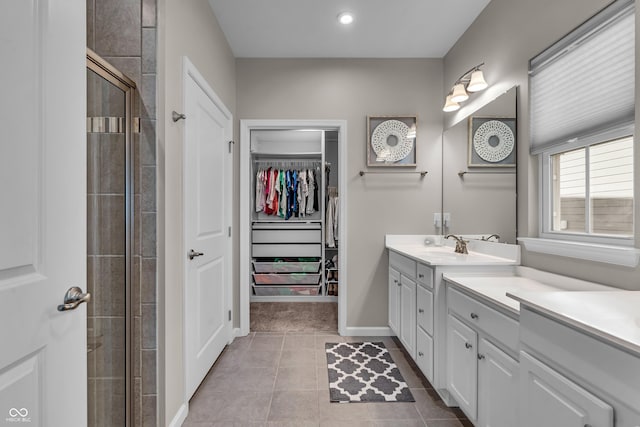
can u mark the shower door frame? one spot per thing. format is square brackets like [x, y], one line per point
[114, 76]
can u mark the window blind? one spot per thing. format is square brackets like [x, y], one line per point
[584, 84]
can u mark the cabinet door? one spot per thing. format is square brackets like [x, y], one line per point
[551, 400]
[497, 387]
[424, 353]
[408, 315]
[425, 309]
[462, 366]
[394, 301]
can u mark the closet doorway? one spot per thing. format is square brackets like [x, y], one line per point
[293, 246]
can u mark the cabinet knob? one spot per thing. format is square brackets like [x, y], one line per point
[421, 276]
[420, 311]
[480, 356]
[420, 354]
[474, 316]
[467, 345]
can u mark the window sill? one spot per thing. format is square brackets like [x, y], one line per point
[617, 255]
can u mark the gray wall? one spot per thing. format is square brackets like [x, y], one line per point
[185, 29]
[505, 36]
[377, 204]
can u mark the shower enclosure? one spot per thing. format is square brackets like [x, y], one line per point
[110, 96]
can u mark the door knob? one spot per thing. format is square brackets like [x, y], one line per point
[73, 298]
[192, 254]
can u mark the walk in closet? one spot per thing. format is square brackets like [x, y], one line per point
[294, 215]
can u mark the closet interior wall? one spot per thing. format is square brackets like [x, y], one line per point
[287, 235]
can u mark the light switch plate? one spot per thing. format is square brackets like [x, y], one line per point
[447, 219]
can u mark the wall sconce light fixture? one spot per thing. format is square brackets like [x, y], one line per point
[471, 81]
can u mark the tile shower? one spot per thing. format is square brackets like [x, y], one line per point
[123, 32]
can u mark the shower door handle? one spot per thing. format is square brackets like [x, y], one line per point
[73, 298]
[192, 254]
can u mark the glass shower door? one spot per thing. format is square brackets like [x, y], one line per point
[108, 257]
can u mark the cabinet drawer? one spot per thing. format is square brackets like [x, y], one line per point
[286, 250]
[404, 265]
[425, 276]
[499, 326]
[279, 266]
[424, 354]
[425, 309]
[286, 236]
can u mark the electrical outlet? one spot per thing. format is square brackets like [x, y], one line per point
[446, 220]
[437, 219]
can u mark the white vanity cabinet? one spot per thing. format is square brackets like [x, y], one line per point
[462, 367]
[424, 331]
[394, 300]
[573, 376]
[481, 376]
[549, 399]
[402, 300]
[498, 375]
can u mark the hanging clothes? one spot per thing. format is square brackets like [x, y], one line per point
[303, 191]
[286, 193]
[331, 217]
[311, 191]
[260, 190]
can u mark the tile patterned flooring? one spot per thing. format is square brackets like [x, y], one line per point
[280, 379]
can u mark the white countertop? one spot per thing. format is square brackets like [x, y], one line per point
[480, 253]
[494, 288]
[611, 316]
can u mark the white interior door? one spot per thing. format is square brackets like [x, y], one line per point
[207, 196]
[43, 368]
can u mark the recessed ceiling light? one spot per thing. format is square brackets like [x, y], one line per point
[345, 18]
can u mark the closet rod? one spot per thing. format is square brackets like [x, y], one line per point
[461, 174]
[289, 162]
[422, 173]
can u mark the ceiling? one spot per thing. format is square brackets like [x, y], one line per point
[310, 29]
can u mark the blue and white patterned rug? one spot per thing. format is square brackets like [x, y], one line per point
[364, 372]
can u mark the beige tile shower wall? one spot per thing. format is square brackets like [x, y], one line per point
[505, 36]
[124, 33]
[186, 28]
[377, 204]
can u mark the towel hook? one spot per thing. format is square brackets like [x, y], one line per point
[177, 116]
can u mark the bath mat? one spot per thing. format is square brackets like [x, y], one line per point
[364, 372]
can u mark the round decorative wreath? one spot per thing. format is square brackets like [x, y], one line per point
[380, 141]
[493, 129]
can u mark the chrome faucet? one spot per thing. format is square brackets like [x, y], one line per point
[489, 238]
[461, 244]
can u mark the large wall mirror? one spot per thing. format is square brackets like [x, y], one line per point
[479, 172]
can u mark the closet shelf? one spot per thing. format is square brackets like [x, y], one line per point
[288, 156]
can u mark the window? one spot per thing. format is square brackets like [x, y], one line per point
[582, 124]
[601, 174]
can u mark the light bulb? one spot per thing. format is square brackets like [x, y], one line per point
[345, 18]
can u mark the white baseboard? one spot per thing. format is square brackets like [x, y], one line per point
[380, 331]
[180, 416]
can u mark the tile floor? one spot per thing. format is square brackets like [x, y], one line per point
[280, 379]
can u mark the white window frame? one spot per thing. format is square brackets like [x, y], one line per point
[546, 192]
[610, 249]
